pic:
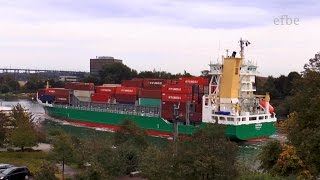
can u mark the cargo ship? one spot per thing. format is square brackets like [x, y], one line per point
[227, 97]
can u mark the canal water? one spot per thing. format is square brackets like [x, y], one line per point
[248, 151]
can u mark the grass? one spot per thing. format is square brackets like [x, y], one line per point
[32, 160]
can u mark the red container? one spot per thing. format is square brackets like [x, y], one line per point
[145, 93]
[195, 98]
[167, 114]
[80, 86]
[105, 90]
[176, 89]
[126, 99]
[133, 91]
[176, 97]
[100, 97]
[154, 83]
[132, 83]
[41, 92]
[57, 91]
[195, 116]
[194, 81]
[62, 99]
[199, 108]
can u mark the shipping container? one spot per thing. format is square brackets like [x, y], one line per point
[199, 108]
[41, 92]
[84, 99]
[80, 86]
[146, 93]
[100, 97]
[167, 114]
[195, 116]
[176, 89]
[82, 93]
[105, 90]
[58, 91]
[132, 83]
[126, 99]
[47, 98]
[62, 99]
[169, 106]
[150, 102]
[194, 81]
[127, 91]
[176, 97]
[155, 83]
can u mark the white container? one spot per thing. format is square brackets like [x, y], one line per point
[81, 93]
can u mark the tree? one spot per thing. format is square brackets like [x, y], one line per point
[116, 72]
[269, 155]
[3, 123]
[206, 154]
[130, 133]
[157, 164]
[305, 135]
[63, 149]
[313, 64]
[46, 171]
[24, 132]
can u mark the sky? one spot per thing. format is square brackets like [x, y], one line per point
[168, 35]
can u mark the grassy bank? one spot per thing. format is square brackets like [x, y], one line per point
[32, 160]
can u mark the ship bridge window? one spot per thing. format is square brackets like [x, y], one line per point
[266, 117]
[222, 118]
[243, 119]
[261, 117]
[230, 119]
[252, 118]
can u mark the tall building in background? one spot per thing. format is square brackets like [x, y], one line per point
[97, 63]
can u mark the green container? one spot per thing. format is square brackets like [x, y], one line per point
[150, 102]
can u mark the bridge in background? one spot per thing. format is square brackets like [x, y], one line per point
[44, 73]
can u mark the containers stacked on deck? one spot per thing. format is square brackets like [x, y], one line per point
[57, 95]
[82, 91]
[103, 94]
[200, 88]
[126, 95]
[151, 98]
[179, 95]
[187, 94]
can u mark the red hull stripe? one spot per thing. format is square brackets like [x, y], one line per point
[114, 128]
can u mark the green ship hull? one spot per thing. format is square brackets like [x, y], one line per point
[153, 125]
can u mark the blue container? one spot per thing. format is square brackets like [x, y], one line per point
[47, 98]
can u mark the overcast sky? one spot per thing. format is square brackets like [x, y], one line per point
[171, 35]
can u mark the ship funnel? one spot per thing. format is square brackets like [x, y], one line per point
[234, 54]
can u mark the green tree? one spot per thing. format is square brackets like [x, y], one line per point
[3, 123]
[4, 88]
[130, 133]
[305, 135]
[24, 132]
[46, 171]
[207, 155]
[116, 72]
[63, 150]
[157, 164]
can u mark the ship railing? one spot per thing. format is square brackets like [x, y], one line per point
[239, 120]
[116, 108]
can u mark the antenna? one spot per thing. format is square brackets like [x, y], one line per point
[243, 43]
